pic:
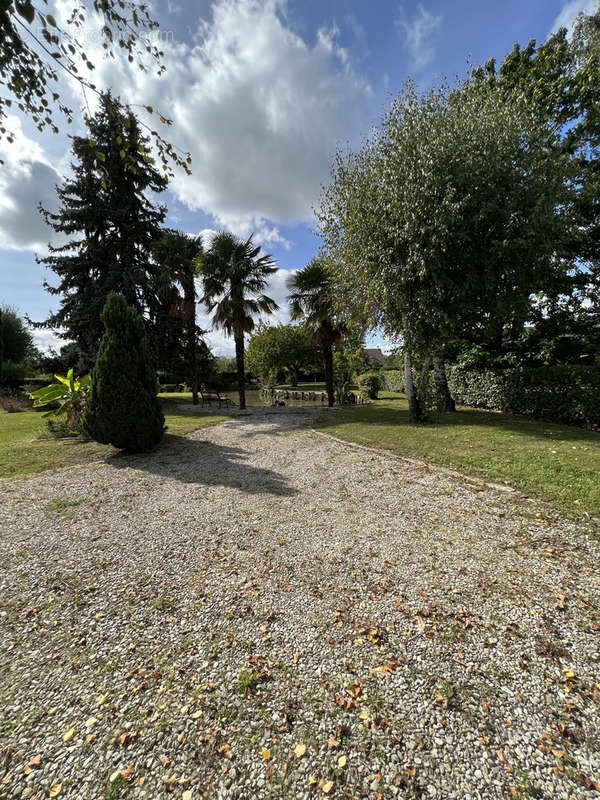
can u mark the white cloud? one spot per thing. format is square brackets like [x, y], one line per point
[260, 110]
[418, 34]
[26, 178]
[566, 17]
[46, 340]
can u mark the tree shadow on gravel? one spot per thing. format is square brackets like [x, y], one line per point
[196, 461]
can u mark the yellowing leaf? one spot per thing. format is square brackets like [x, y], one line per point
[103, 700]
[69, 735]
[27, 769]
[299, 750]
[184, 709]
[364, 714]
[312, 780]
[266, 754]
[327, 787]
[90, 722]
[342, 761]
[55, 790]
[115, 775]
[196, 715]
[187, 795]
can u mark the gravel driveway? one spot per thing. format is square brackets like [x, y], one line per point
[258, 611]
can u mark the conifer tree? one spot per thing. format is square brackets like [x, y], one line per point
[109, 224]
[123, 409]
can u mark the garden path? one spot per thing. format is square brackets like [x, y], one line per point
[257, 611]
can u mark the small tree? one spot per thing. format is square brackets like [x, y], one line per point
[235, 274]
[275, 348]
[312, 302]
[123, 409]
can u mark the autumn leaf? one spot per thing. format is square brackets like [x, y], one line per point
[342, 761]
[55, 790]
[69, 735]
[327, 787]
[299, 750]
[266, 754]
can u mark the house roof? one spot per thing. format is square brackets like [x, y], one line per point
[375, 354]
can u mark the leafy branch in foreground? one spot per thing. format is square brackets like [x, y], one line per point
[37, 54]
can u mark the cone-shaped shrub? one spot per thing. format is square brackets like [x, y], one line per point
[123, 409]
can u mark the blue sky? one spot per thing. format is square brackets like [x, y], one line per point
[261, 93]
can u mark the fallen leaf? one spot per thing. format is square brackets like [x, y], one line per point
[90, 722]
[187, 795]
[69, 735]
[102, 700]
[114, 775]
[55, 790]
[299, 750]
[327, 787]
[265, 754]
[342, 761]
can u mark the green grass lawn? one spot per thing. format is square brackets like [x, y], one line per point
[555, 463]
[23, 452]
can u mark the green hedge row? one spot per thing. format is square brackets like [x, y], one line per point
[392, 380]
[569, 394]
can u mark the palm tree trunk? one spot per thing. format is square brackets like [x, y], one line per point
[189, 299]
[445, 399]
[328, 365]
[239, 361]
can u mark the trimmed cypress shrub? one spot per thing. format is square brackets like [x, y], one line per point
[123, 409]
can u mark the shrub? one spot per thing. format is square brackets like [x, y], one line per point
[569, 394]
[61, 429]
[12, 402]
[369, 384]
[393, 380]
[14, 374]
[123, 409]
[67, 397]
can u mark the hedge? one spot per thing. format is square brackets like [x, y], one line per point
[569, 394]
[369, 384]
[392, 380]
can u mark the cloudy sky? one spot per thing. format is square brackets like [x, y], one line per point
[261, 92]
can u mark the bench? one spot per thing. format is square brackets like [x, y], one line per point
[209, 397]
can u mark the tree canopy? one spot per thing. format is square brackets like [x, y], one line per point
[274, 349]
[235, 274]
[109, 227]
[38, 55]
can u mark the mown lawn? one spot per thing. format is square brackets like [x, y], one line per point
[23, 451]
[556, 463]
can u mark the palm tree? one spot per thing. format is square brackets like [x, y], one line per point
[179, 255]
[235, 275]
[311, 301]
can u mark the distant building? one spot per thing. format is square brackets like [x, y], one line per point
[374, 354]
